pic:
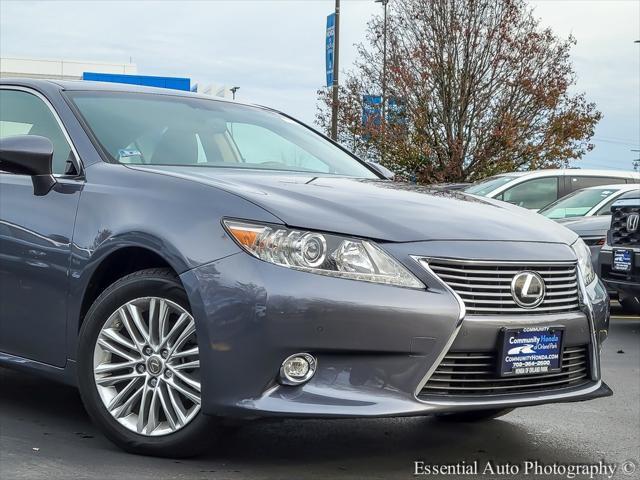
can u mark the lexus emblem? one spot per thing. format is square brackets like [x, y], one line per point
[527, 289]
[632, 222]
[154, 365]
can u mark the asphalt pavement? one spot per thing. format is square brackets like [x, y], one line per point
[46, 434]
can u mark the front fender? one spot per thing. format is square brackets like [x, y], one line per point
[177, 219]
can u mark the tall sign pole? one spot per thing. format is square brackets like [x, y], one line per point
[336, 51]
[384, 75]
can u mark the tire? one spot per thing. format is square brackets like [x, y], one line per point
[473, 416]
[171, 424]
[630, 304]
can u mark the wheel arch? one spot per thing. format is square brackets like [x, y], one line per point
[117, 264]
[107, 265]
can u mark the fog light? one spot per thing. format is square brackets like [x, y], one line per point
[297, 369]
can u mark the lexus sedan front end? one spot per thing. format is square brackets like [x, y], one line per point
[183, 259]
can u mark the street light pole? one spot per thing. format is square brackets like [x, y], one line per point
[336, 50]
[383, 120]
[233, 91]
[636, 162]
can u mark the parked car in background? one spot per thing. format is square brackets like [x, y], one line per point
[182, 258]
[588, 202]
[587, 212]
[619, 263]
[537, 189]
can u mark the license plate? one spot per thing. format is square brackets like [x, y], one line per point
[531, 351]
[622, 260]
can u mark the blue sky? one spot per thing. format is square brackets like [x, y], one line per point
[274, 49]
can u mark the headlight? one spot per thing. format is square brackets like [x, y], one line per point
[321, 253]
[584, 261]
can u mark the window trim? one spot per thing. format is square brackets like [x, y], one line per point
[76, 158]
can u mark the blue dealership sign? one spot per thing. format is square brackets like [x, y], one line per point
[175, 83]
[331, 36]
[371, 110]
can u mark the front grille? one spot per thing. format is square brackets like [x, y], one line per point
[474, 374]
[619, 233]
[486, 288]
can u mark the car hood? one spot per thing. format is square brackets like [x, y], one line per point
[376, 209]
[588, 226]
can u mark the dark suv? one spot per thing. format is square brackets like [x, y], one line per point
[620, 257]
[181, 258]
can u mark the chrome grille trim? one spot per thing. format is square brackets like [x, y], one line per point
[474, 374]
[485, 286]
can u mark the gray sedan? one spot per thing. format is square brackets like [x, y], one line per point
[182, 259]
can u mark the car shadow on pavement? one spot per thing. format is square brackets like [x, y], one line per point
[34, 407]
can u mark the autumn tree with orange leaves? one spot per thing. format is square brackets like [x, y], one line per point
[480, 86]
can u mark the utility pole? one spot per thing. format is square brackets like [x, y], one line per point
[383, 120]
[336, 50]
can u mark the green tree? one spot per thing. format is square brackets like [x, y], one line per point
[483, 88]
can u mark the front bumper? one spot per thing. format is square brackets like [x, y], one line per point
[376, 345]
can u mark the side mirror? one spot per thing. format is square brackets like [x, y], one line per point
[385, 172]
[29, 155]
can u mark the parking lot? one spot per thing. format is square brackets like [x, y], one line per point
[45, 433]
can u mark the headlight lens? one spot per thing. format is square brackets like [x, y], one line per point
[584, 261]
[321, 253]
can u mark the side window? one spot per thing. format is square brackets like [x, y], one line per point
[577, 183]
[261, 146]
[533, 194]
[22, 113]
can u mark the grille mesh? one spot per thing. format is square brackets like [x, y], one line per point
[474, 374]
[619, 233]
[486, 289]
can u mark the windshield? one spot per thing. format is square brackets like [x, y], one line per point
[577, 204]
[487, 186]
[150, 129]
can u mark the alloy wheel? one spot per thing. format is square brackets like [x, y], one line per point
[146, 366]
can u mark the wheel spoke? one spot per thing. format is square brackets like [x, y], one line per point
[107, 367]
[134, 311]
[186, 365]
[166, 406]
[144, 407]
[176, 328]
[186, 353]
[189, 330]
[185, 391]
[163, 315]
[135, 335]
[125, 408]
[185, 379]
[177, 407]
[153, 323]
[152, 420]
[114, 349]
[114, 379]
[120, 397]
[114, 335]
